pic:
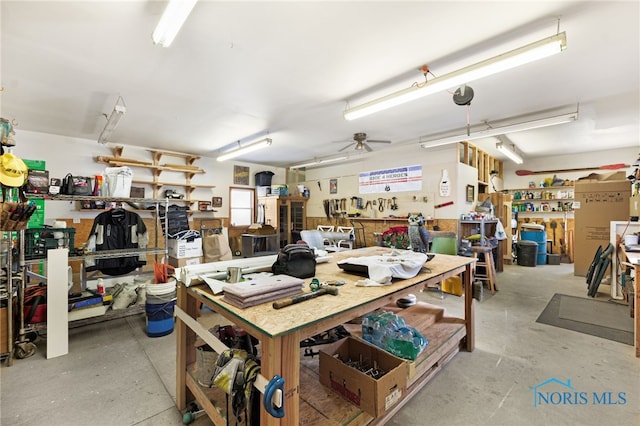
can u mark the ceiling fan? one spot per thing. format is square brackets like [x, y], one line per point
[361, 142]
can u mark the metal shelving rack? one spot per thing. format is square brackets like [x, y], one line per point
[26, 348]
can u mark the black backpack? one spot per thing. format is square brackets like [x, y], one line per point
[296, 260]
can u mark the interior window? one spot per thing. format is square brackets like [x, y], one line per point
[241, 206]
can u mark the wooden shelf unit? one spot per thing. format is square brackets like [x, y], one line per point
[157, 168]
[471, 155]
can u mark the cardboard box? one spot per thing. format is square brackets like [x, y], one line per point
[136, 192]
[598, 201]
[375, 396]
[185, 261]
[185, 248]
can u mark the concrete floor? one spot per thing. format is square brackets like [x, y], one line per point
[115, 375]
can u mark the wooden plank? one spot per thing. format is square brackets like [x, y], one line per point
[443, 337]
[57, 303]
[181, 166]
[290, 370]
[181, 169]
[106, 159]
[174, 154]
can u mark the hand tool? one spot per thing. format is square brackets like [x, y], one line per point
[394, 205]
[448, 203]
[316, 284]
[279, 304]
[380, 204]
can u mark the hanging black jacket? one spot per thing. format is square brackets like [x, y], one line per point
[117, 229]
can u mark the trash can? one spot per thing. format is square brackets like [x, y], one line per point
[527, 253]
[264, 178]
[540, 237]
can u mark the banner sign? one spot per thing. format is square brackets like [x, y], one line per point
[398, 179]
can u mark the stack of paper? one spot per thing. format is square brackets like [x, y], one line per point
[261, 290]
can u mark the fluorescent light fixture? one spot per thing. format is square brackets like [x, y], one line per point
[171, 21]
[112, 121]
[244, 149]
[495, 131]
[509, 152]
[514, 58]
[319, 162]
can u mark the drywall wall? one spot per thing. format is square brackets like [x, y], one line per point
[433, 162]
[558, 162]
[77, 156]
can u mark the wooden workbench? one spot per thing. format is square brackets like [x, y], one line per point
[280, 332]
[634, 259]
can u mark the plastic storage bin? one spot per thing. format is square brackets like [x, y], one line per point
[39, 240]
[264, 178]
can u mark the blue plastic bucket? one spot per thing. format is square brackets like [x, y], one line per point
[160, 318]
[539, 237]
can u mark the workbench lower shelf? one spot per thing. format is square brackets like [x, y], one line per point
[321, 406]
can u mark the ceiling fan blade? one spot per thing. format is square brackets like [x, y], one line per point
[367, 147]
[377, 141]
[346, 147]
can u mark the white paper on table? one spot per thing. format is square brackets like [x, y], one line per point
[214, 285]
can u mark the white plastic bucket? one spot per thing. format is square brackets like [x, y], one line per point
[159, 289]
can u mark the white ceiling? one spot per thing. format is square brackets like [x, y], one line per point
[239, 69]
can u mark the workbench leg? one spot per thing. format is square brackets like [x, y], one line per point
[281, 356]
[469, 307]
[636, 311]
[185, 353]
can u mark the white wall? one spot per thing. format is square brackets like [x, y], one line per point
[64, 155]
[77, 156]
[573, 161]
[433, 162]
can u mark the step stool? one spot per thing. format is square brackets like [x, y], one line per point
[490, 269]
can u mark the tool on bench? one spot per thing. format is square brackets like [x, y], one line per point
[316, 284]
[279, 304]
